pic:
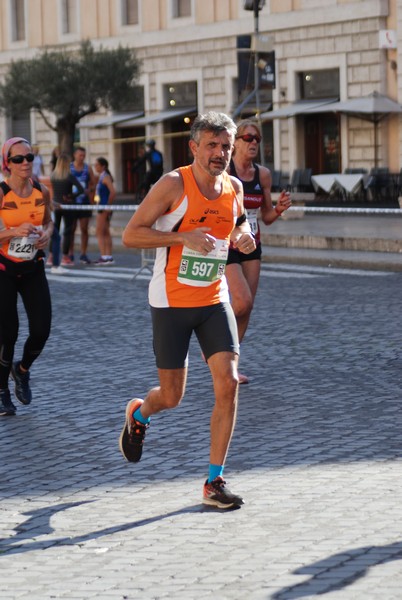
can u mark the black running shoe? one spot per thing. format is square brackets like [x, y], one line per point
[7, 408]
[133, 434]
[22, 390]
[217, 494]
[84, 259]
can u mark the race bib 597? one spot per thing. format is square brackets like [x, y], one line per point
[199, 270]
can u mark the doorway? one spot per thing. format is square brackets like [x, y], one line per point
[180, 151]
[129, 154]
[322, 143]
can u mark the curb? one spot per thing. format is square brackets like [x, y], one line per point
[329, 251]
[361, 244]
[344, 259]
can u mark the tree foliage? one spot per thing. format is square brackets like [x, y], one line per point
[71, 85]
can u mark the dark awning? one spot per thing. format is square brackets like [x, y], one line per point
[373, 107]
[164, 115]
[108, 120]
[297, 108]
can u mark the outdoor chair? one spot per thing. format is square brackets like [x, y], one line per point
[276, 181]
[305, 180]
[399, 185]
[295, 180]
[355, 171]
[284, 182]
[382, 185]
[379, 170]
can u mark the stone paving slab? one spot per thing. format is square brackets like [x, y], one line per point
[316, 453]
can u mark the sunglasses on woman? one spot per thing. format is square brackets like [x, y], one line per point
[249, 137]
[18, 159]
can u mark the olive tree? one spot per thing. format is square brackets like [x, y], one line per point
[70, 85]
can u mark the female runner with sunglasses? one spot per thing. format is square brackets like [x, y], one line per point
[27, 227]
[243, 270]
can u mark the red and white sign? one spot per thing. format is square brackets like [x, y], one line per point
[387, 38]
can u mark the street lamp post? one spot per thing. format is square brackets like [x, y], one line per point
[256, 57]
[256, 6]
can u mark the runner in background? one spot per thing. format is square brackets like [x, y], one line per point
[26, 230]
[243, 270]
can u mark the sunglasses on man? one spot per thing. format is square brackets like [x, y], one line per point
[18, 159]
[249, 137]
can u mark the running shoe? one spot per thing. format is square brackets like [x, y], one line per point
[103, 262]
[59, 270]
[217, 494]
[133, 434]
[7, 408]
[100, 262]
[242, 378]
[67, 262]
[84, 259]
[22, 390]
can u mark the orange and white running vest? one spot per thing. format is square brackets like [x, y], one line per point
[14, 211]
[184, 278]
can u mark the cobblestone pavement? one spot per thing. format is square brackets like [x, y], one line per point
[317, 451]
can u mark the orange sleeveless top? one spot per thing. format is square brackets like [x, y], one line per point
[14, 211]
[185, 278]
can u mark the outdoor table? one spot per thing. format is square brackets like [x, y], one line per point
[323, 182]
[349, 183]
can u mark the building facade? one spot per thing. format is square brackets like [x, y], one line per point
[323, 50]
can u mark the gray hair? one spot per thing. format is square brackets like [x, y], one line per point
[241, 126]
[214, 122]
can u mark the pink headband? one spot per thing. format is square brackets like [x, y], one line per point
[6, 149]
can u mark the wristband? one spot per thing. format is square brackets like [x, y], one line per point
[277, 211]
[240, 220]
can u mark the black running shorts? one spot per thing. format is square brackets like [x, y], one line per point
[237, 257]
[215, 327]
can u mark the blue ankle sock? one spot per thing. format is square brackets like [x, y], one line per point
[138, 417]
[214, 472]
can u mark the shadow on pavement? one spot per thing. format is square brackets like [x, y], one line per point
[344, 568]
[38, 525]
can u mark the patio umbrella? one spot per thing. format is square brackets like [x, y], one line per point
[374, 107]
[297, 108]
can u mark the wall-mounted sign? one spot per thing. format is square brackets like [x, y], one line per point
[387, 39]
[246, 69]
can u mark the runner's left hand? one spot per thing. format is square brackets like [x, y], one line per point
[43, 240]
[245, 243]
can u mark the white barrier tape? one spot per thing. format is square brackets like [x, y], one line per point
[309, 209]
[132, 207]
[345, 210]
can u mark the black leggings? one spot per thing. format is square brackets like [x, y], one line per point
[34, 291]
[70, 220]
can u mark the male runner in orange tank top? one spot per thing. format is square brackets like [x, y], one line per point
[191, 215]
